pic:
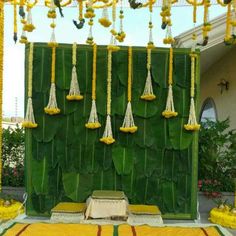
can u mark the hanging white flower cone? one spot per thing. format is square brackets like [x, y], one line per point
[53, 42]
[104, 20]
[148, 90]
[74, 93]
[93, 122]
[29, 121]
[23, 38]
[29, 22]
[107, 135]
[170, 109]
[52, 108]
[128, 125]
[192, 121]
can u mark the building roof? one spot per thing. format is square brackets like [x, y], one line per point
[214, 50]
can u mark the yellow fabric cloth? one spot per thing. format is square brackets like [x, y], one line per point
[126, 230]
[70, 207]
[144, 209]
[39, 229]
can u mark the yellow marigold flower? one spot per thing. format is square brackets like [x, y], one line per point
[89, 13]
[52, 25]
[28, 27]
[104, 22]
[233, 23]
[113, 48]
[132, 129]
[207, 27]
[28, 124]
[52, 111]
[195, 127]
[113, 32]
[148, 97]
[23, 21]
[52, 44]
[169, 114]
[150, 45]
[23, 40]
[94, 125]
[107, 140]
[10, 211]
[52, 14]
[74, 97]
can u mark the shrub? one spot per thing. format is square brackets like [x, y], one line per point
[217, 155]
[13, 157]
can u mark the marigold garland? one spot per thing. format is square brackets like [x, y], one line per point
[128, 125]
[1, 81]
[90, 14]
[192, 124]
[148, 94]
[150, 44]
[121, 34]
[74, 93]
[11, 211]
[52, 15]
[29, 26]
[29, 121]
[170, 109]
[206, 25]
[15, 21]
[93, 122]
[52, 108]
[107, 137]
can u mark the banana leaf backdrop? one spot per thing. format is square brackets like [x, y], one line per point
[66, 162]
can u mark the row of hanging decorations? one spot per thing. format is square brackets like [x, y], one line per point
[128, 125]
[25, 11]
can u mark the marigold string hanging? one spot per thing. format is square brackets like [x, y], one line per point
[29, 26]
[90, 15]
[23, 37]
[113, 44]
[93, 122]
[192, 124]
[74, 93]
[107, 137]
[80, 25]
[29, 121]
[206, 24]
[148, 94]
[15, 21]
[128, 125]
[170, 109]
[52, 108]
[121, 34]
[150, 26]
[104, 20]
[52, 15]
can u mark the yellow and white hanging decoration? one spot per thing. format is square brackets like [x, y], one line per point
[93, 122]
[74, 93]
[170, 109]
[206, 24]
[128, 125]
[121, 34]
[113, 43]
[104, 20]
[52, 15]
[148, 94]
[192, 124]
[90, 14]
[23, 38]
[52, 108]
[80, 25]
[29, 26]
[15, 21]
[150, 26]
[29, 121]
[107, 137]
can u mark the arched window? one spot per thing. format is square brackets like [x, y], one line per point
[208, 110]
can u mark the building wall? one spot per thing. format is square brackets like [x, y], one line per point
[225, 103]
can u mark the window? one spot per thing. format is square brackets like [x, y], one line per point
[208, 110]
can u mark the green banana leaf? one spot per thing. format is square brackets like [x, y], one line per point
[40, 176]
[63, 68]
[55, 182]
[77, 186]
[41, 203]
[41, 69]
[160, 68]
[106, 180]
[47, 127]
[146, 161]
[169, 201]
[103, 155]
[123, 159]
[119, 104]
[128, 186]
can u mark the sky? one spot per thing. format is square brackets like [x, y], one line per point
[135, 26]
